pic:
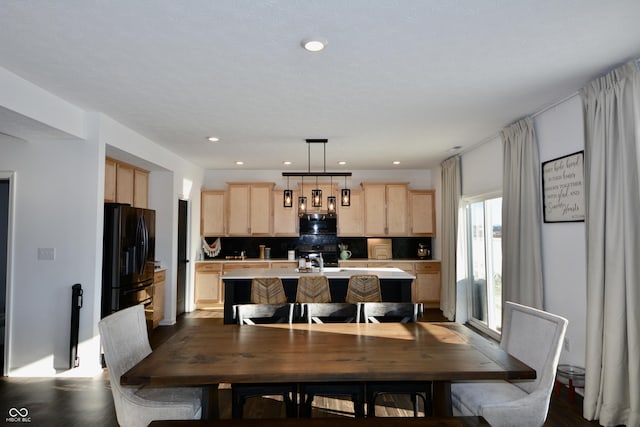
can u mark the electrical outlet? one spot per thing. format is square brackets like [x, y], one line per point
[46, 254]
[566, 344]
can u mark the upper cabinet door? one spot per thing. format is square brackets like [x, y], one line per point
[422, 212]
[397, 223]
[124, 183]
[351, 218]
[212, 213]
[375, 210]
[261, 211]
[238, 217]
[285, 220]
[109, 180]
[140, 188]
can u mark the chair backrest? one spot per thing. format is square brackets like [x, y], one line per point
[403, 312]
[313, 289]
[251, 314]
[125, 342]
[267, 290]
[535, 337]
[363, 288]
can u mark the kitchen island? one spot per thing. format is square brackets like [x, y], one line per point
[395, 284]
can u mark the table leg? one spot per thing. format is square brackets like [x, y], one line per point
[442, 399]
[210, 403]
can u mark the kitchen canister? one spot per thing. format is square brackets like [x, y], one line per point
[262, 250]
[267, 253]
[291, 255]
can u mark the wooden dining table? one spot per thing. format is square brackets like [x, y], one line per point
[209, 353]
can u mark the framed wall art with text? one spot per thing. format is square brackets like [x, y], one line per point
[563, 188]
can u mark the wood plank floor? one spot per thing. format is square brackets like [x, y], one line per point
[65, 402]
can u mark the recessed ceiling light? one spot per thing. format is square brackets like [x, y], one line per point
[314, 45]
[342, 163]
[286, 162]
[213, 139]
[396, 162]
[239, 163]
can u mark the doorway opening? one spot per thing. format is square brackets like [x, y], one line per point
[183, 211]
[4, 255]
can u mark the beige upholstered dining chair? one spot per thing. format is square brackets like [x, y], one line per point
[535, 337]
[125, 343]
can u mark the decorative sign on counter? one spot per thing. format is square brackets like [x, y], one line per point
[563, 188]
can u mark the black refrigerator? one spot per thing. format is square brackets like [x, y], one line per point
[128, 257]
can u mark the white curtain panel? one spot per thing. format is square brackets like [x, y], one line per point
[451, 192]
[521, 248]
[612, 383]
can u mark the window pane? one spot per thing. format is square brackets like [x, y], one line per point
[478, 262]
[484, 261]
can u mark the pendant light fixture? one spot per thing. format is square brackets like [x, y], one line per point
[345, 197]
[316, 194]
[331, 200]
[287, 199]
[302, 201]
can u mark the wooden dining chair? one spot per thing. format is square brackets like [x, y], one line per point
[267, 290]
[313, 289]
[403, 312]
[268, 305]
[125, 342]
[363, 288]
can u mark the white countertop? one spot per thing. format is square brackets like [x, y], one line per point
[330, 272]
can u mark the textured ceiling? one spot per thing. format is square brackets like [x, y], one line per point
[399, 80]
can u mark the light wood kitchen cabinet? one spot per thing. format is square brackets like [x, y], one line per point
[427, 284]
[230, 266]
[285, 220]
[285, 265]
[124, 183]
[159, 282]
[140, 188]
[212, 213]
[422, 218]
[209, 292]
[351, 218]
[250, 210]
[385, 209]
[109, 180]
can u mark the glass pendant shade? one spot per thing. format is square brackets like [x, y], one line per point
[316, 198]
[287, 199]
[331, 205]
[302, 205]
[345, 199]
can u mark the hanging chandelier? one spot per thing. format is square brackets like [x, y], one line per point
[316, 193]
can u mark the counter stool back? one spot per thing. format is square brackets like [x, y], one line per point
[363, 288]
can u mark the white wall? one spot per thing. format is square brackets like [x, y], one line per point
[55, 207]
[58, 203]
[560, 132]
